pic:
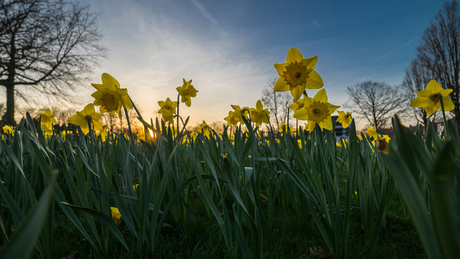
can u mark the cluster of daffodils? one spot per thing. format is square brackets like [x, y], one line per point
[257, 115]
[109, 97]
[170, 109]
[296, 75]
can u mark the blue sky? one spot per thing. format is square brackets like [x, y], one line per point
[228, 48]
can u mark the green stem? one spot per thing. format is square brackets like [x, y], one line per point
[131, 139]
[177, 117]
[305, 93]
[444, 117]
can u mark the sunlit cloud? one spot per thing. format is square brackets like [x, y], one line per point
[157, 52]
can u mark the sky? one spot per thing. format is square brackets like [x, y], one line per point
[228, 48]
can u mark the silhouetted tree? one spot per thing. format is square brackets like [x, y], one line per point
[47, 46]
[439, 52]
[276, 102]
[376, 102]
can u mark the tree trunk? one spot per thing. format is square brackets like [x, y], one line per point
[8, 117]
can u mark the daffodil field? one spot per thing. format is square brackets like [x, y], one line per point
[249, 187]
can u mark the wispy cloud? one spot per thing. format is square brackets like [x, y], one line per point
[204, 12]
[152, 52]
[315, 23]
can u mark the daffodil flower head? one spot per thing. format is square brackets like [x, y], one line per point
[47, 119]
[7, 129]
[116, 216]
[317, 111]
[297, 74]
[259, 114]
[168, 109]
[110, 97]
[81, 119]
[429, 98]
[236, 115]
[204, 128]
[187, 91]
[233, 118]
[372, 132]
[344, 118]
[282, 127]
[297, 104]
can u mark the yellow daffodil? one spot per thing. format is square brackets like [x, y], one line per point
[344, 118]
[168, 110]
[7, 129]
[193, 135]
[110, 96]
[297, 74]
[103, 133]
[306, 128]
[66, 132]
[116, 216]
[238, 113]
[47, 119]
[259, 114]
[317, 111]
[429, 98]
[297, 105]
[80, 119]
[282, 127]
[204, 128]
[232, 119]
[384, 137]
[372, 132]
[187, 91]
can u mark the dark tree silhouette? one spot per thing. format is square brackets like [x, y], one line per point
[376, 102]
[276, 102]
[439, 52]
[46, 46]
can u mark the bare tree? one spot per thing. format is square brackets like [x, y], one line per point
[47, 46]
[61, 115]
[376, 102]
[276, 102]
[120, 125]
[439, 52]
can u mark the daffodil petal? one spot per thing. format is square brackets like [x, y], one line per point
[281, 85]
[421, 101]
[301, 114]
[448, 104]
[314, 81]
[430, 110]
[109, 81]
[423, 93]
[327, 123]
[77, 120]
[259, 106]
[280, 68]
[321, 96]
[294, 55]
[434, 87]
[297, 92]
[310, 63]
[446, 92]
[98, 86]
